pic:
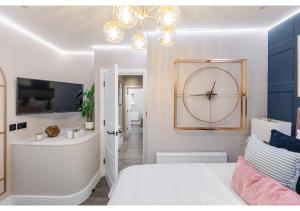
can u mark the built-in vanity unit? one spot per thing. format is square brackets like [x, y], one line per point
[55, 170]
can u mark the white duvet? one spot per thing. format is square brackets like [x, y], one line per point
[175, 184]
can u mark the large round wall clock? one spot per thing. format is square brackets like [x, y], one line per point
[210, 94]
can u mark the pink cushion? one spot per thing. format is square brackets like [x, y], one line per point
[257, 189]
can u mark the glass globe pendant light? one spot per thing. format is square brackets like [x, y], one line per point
[168, 17]
[126, 16]
[112, 32]
[139, 41]
[167, 37]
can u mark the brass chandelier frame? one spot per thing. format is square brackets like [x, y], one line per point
[145, 12]
[142, 12]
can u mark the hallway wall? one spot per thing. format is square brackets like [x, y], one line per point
[136, 96]
[129, 80]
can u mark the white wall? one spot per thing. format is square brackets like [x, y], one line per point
[161, 134]
[230, 45]
[136, 101]
[124, 57]
[21, 56]
[129, 80]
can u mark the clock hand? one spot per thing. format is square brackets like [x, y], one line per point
[211, 92]
[206, 94]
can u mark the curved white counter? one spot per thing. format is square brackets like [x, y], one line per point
[61, 140]
[55, 170]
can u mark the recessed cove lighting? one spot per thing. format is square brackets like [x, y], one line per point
[79, 52]
[37, 38]
[284, 19]
[11, 24]
[109, 47]
[213, 30]
[20, 29]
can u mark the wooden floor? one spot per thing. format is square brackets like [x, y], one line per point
[100, 195]
[130, 153]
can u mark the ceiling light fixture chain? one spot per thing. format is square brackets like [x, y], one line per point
[124, 17]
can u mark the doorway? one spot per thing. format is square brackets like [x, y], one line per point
[112, 124]
[131, 120]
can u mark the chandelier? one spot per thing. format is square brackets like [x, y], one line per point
[124, 17]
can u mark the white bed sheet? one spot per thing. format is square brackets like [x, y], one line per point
[175, 184]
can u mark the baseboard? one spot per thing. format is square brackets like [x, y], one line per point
[6, 201]
[73, 199]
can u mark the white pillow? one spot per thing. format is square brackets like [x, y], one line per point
[278, 163]
[298, 134]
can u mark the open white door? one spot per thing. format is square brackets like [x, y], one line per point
[111, 124]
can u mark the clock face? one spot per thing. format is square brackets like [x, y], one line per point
[211, 94]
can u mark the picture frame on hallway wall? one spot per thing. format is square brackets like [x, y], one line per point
[210, 94]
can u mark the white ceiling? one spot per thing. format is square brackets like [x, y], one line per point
[77, 28]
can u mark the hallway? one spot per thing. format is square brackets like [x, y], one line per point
[131, 152]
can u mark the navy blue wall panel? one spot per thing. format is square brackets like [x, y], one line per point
[280, 105]
[282, 71]
[282, 32]
[282, 64]
[297, 24]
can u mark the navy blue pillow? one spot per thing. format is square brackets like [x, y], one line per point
[281, 140]
[290, 143]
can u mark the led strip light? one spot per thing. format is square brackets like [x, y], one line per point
[47, 43]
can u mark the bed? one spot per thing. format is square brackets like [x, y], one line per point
[175, 184]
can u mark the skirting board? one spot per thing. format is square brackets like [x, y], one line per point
[73, 199]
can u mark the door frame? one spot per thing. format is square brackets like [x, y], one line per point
[122, 71]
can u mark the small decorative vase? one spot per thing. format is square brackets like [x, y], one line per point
[52, 131]
[70, 134]
[39, 137]
[89, 125]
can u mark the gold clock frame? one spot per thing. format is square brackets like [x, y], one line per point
[243, 92]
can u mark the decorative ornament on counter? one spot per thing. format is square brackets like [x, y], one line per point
[39, 137]
[52, 131]
[70, 134]
[77, 133]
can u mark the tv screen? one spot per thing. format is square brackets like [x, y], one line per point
[39, 96]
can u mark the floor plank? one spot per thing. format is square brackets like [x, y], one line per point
[131, 151]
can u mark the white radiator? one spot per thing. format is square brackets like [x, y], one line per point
[191, 157]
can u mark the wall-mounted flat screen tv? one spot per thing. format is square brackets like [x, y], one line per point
[40, 96]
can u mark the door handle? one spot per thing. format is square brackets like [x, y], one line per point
[111, 133]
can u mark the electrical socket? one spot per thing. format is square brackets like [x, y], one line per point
[22, 125]
[12, 127]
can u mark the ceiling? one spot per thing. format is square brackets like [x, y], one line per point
[77, 28]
